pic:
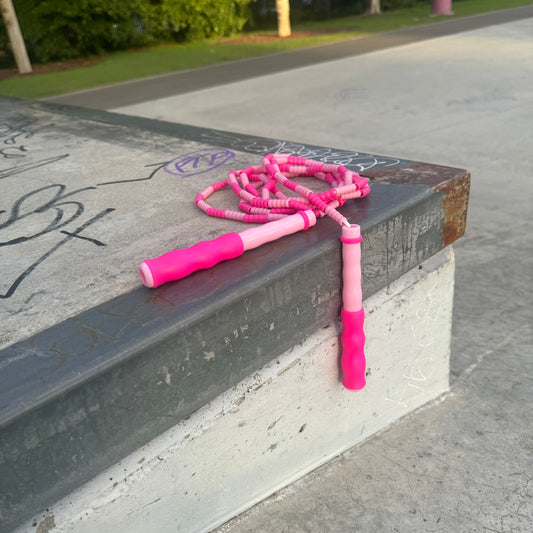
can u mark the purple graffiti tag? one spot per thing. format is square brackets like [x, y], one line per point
[194, 163]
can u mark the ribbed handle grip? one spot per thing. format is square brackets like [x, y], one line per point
[180, 263]
[353, 360]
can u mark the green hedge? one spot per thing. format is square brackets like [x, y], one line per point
[197, 19]
[63, 29]
[263, 12]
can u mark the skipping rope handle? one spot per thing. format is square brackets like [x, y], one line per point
[353, 360]
[178, 264]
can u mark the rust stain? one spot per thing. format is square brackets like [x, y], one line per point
[454, 183]
[416, 174]
[455, 206]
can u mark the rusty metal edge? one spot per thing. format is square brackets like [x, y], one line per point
[453, 183]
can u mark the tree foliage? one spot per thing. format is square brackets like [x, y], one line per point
[63, 29]
[263, 12]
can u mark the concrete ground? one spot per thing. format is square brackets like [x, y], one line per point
[465, 463]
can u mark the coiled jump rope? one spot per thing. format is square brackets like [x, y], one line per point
[263, 202]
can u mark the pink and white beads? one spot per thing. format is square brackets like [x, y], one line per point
[262, 200]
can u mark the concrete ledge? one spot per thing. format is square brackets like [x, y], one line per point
[94, 366]
[280, 423]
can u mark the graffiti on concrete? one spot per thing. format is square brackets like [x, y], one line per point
[55, 209]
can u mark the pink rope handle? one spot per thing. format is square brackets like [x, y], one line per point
[353, 361]
[261, 201]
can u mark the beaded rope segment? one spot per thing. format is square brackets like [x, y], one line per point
[258, 206]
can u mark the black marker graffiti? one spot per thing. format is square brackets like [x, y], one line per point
[53, 208]
[43, 210]
[20, 126]
[70, 235]
[46, 209]
[12, 133]
[158, 166]
[42, 205]
[11, 152]
[30, 165]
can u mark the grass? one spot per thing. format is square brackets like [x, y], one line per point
[123, 66]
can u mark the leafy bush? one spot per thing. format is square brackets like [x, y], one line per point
[63, 29]
[199, 19]
[263, 12]
[389, 5]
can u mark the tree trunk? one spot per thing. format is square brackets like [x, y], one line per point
[284, 23]
[15, 36]
[375, 7]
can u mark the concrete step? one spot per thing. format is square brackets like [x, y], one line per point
[280, 423]
[95, 366]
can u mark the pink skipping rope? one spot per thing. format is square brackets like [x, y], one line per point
[262, 202]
